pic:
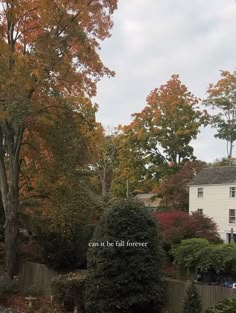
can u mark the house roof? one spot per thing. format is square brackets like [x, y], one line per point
[148, 199]
[215, 175]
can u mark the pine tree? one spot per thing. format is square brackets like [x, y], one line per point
[121, 277]
[192, 301]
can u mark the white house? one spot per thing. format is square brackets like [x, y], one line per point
[213, 192]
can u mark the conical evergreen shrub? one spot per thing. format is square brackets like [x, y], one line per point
[192, 301]
[124, 275]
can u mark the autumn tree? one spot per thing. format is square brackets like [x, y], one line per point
[49, 59]
[173, 189]
[59, 176]
[58, 202]
[157, 141]
[170, 120]
[176, 226]
[222, 97]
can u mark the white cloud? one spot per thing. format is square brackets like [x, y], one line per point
[151, 40]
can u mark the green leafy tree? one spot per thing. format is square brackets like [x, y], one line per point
[225, 306]
[219, 162]
[125, 278]
[190, 253]
[105, 160]
[130, 176]
[222, 97]
[192, 301]
[198, 253]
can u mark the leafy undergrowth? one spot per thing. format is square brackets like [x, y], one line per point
[41, 305]
[29, 250]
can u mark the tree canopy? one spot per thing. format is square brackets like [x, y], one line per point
[222, 97]
[157, 141]
[49, 65]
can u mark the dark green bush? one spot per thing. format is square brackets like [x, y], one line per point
[81, 239]
[199, 253]
[62, 252]
[70, 288]
[7, 287]
[225, 306]
[125, 278]
[192, 301]
[58, 252]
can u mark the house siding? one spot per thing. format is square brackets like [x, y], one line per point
[216, 202]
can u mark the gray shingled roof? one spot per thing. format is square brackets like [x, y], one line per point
[215, 175]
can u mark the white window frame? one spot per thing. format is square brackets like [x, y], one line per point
[200, 211]
[232, 216]
[232, 192]
[200, 192]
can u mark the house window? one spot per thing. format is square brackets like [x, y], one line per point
[200, 192]
[232, 216]
[232, 192]
[200, 211]
[231, 238]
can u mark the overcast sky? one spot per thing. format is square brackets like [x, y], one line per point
[153, 39]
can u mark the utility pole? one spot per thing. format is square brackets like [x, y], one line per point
[127, 188]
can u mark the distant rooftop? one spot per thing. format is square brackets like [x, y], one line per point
[215, 175]
[148, 199]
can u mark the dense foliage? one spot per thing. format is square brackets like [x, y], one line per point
[221, 96]
[50, 66]
[199, 253]
[62, 251]
[173, 188]
[225, 306]
[176, 226]
[7, 287]
[122, 277]
[70, 287]
[157, 141]
[192, 301]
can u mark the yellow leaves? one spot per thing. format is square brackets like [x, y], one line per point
[225, 86]
[36, 73]
[3, 115]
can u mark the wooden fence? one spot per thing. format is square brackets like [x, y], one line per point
[209, 294]
[36, 278]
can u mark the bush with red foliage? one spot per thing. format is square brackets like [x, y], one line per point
[178, 225]
[205, 227]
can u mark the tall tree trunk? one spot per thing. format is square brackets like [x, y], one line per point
[230, 151]
[11, 239]
[103, 182]
[10, 144]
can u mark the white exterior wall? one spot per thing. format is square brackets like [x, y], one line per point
[216, 202]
